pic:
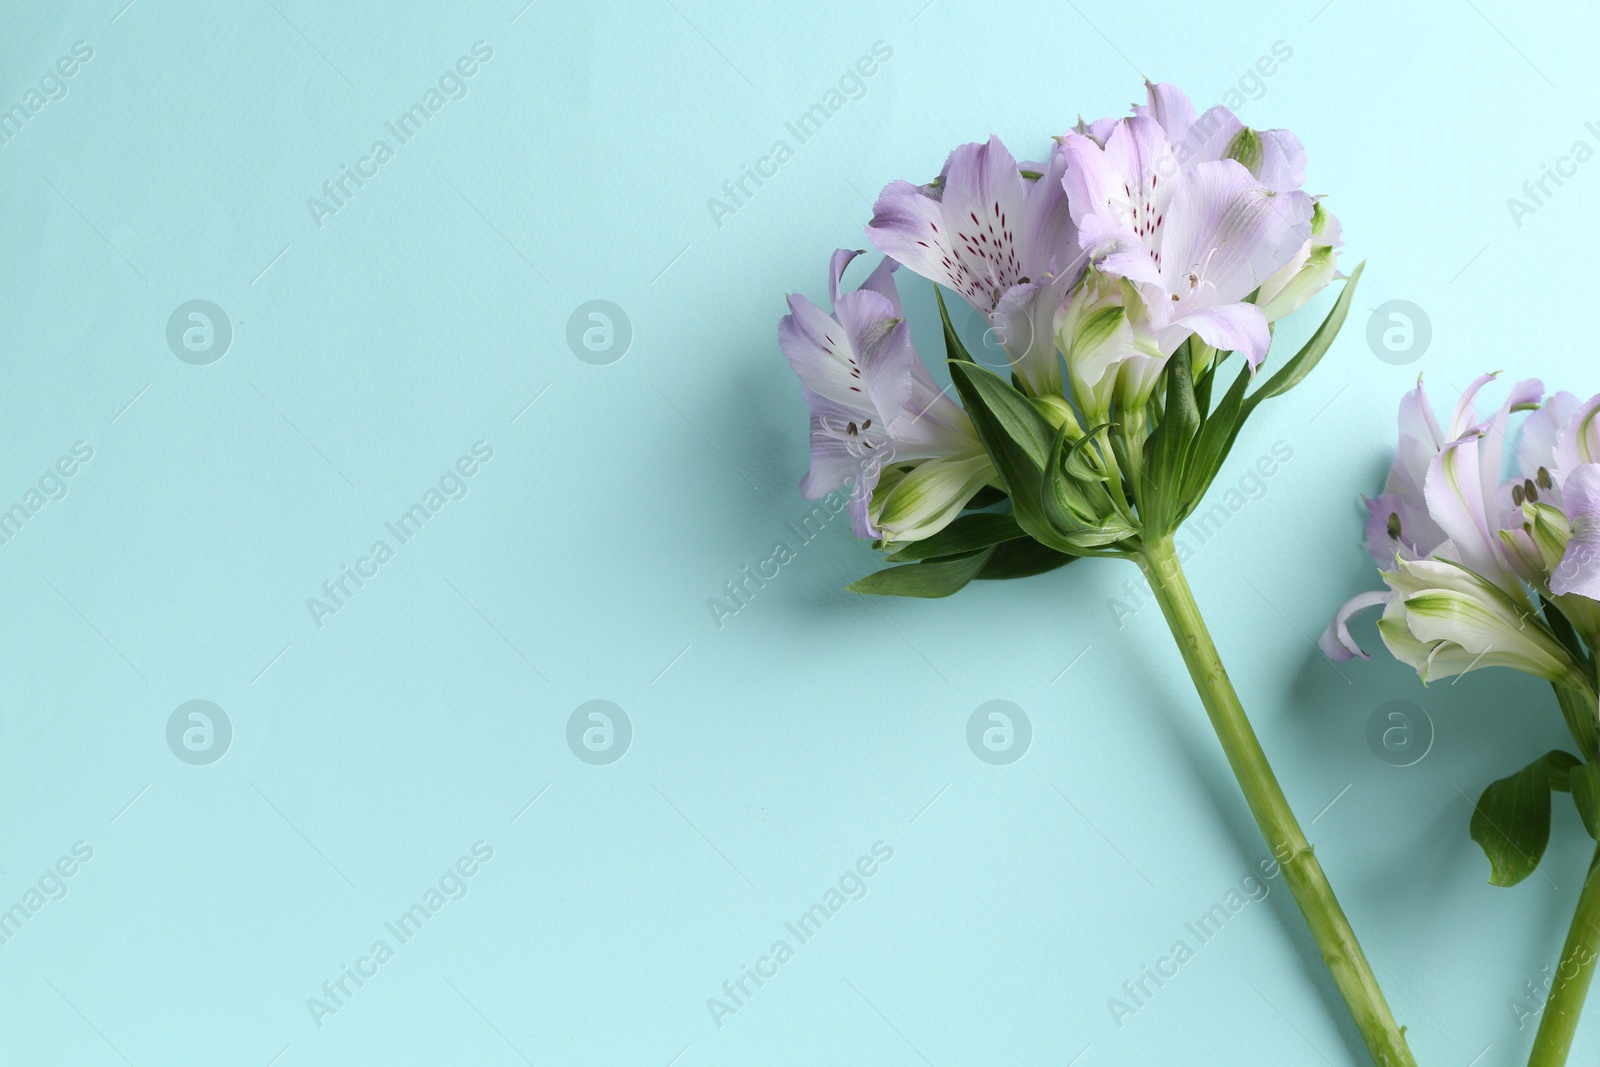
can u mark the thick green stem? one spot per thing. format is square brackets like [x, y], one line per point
[1340, 951]
[1573, 973]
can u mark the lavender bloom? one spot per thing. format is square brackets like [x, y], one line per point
[874, 404]
[1132, 236]
[1197, 239]
[1459, 547]
[999, 239]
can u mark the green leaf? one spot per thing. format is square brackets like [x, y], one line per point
[1202, 389]
[969, 533]
[1004, 412]
[1511, 822]
[953, 348]
[1585, 782]
[1016, 437]
[1022, 558]
[1160, 487]
[1214, 442]
[1558, 767]
[1292, 372]
[923, 579]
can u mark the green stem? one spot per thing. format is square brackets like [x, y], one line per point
[1340, 951]
[1573, 973]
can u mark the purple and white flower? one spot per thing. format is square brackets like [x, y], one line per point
[1002, 239]
[873, 405]
[1196, 240]
[1466, 553]
[1132, 236]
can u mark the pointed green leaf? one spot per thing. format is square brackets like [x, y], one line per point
[1215, 441]
[998, 409]
[1022, 558]
[1511, 823]
[969, 533]
[1202, 391]
[1558, 767]
[1016, 437]
[1292, 372]
[923, 579]
[1160, 486]
[1585, 781]
[953, 348]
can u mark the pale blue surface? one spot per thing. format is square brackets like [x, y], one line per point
[369, 754]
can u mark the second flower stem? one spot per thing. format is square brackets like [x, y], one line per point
[1573, 974]
[1341, 952]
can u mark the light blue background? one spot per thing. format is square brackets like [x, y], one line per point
[368, 354]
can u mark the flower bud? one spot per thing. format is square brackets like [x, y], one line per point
[1058, 413]
[1444, 620]
[915, 504]
[1307, 274]
[1102, 325]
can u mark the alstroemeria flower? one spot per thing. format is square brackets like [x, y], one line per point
[1197, 240]
[1004, 242]
[872, 401]
[1401, 521]
[1443, 500]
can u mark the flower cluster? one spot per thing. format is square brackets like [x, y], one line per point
[1481, 569]
[1136, 240]
[1485, 570]
[1134, 277]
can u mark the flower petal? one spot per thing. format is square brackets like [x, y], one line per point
[1049, 238]
[1400, 526]
[1336, 642]
[1169, 107]
[1579, 569]
[1226, 234]
[836, 264]
[1579, 441]
[1238, 328]
[1456, 500]
[881, 342]
[1540, 432]
[862, 359]
[837, 460]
